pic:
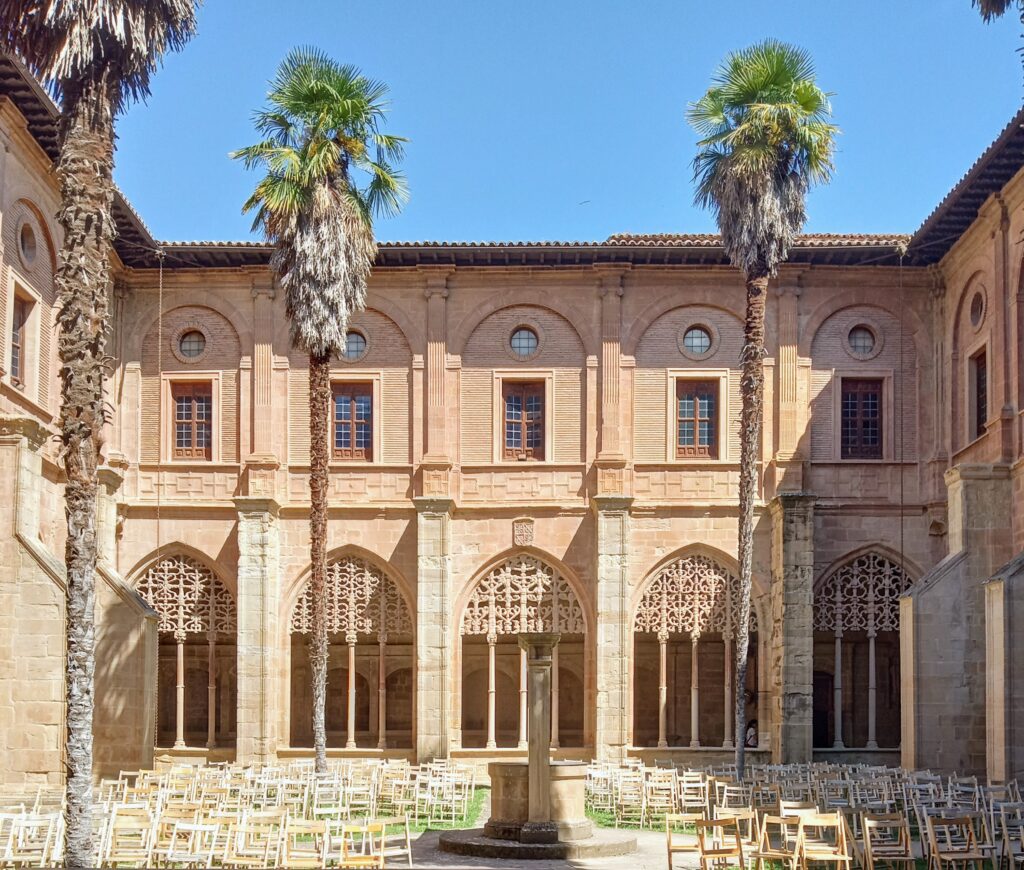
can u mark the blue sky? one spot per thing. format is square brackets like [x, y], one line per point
[564, 120]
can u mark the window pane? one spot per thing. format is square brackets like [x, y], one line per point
[513, 406]
[342, 407]
[686, 433]
[524, 342]
[513, 436]
[183, 435]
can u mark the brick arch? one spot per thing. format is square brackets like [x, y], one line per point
[915, 330]
[707, 298]
[977, 281]
[577, 320]
[146, 317]
[44, 226]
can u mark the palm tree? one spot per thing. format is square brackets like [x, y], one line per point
[990, 9]
[97, 55]
[328, 173]
[764, 140]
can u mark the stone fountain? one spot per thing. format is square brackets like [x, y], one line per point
[537, 806]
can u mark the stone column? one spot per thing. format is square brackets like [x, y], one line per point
[730, 709]
[537, 649]
[522, 699]
[259, 573]
[662, 688]
[792, 645]
[382, 692]
[837, 692]
[694, 693]
[211, 691]
[179, 690]
[491, 689]
[614, 629]
[350, 742]
[433, 631]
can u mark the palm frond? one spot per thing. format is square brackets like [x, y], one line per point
[329, 172]
[765, 138]
[65, 41]
[991, 9]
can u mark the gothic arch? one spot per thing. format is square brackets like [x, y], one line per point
[861, 592]
[691, 592]
[468, 325]
[556, 568]
[722, 558]
[363, 598]
[188, 597]
[295, 588]
[180, 548]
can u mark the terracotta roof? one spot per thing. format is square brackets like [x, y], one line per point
[1000, 162]
[135, 244]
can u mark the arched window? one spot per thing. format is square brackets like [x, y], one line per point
[522, 594]
[856, 655]
[368, 623]
[194, 608]
[683, 633]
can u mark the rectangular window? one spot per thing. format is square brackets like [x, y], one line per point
[19, 338]
[696, 419]
[193, 420]
[979, 387]
[861, 432]
[353, 422]
[523, 403]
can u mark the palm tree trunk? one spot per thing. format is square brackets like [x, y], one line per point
[752, 395]
[85, 169]
[319, 412]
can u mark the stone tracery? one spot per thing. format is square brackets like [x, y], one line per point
[692, 595]
[190, 600]
[521, 594]
[860, 598]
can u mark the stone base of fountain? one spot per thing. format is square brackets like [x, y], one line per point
[510, 834]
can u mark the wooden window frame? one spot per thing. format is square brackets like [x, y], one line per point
[719, 377]
[20, 339]
[862, 386]
[169, 381]
[978, 393]
[352, 453]
[697, 451]
[526, 389]
[194, 452]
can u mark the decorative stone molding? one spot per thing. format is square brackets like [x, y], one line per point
[34, 432]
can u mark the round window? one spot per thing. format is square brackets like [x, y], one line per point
[192, 344]
[524, 342]
[861, 340]
[27, 244]
[697, 340]
[977, 309]
[355, 345]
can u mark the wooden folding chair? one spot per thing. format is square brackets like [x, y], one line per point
[886, 839]
[719, 844]
[302, 844]
[829, 843]
[951, 840]
[396, 840]
[780, 841]
[1011, 823]
[674, 822]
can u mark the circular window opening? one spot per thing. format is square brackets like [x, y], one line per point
[27, 242]
[862, 340]
[192, 343]
[355, 345]
[697, 340]
[977, 309]
[524, 342]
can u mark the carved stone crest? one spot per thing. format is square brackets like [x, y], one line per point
[522, 532]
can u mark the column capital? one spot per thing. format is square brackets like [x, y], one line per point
[263, 287]
[433, 505]
[254, 504]
[34, 433]
[794, 290]
[610, 278]
[109, 478]
[792, 501]
[612, 503]
[435, 280]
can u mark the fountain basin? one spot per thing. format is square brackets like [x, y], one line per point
[510, 800]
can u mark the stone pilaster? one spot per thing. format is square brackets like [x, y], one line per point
[263, 372]
[611, 737]
[106, 514]
[789, 461]
[434, 648]
[792, 641]
[258, 602]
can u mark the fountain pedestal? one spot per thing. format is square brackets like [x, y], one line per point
[537, 808]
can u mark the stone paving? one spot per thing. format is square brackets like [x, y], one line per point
[650, 855]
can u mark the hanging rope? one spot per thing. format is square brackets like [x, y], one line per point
[159, 467]
[902, 251]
